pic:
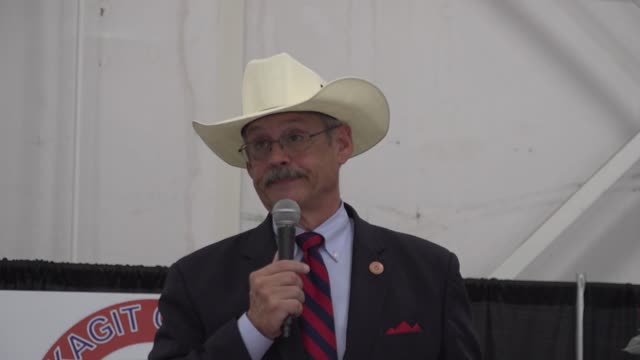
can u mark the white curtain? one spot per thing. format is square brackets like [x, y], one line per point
[36, 137]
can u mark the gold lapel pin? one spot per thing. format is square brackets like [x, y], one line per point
[376, 267]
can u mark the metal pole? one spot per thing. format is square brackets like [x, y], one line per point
[581, 282]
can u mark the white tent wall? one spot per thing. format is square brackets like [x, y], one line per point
[500, 111]
[117, 175]
[36, 128]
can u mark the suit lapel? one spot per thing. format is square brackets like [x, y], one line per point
[368, 290]
[260, 245]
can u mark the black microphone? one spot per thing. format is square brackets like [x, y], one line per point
[286, 214]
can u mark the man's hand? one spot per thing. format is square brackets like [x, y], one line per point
[275, 292]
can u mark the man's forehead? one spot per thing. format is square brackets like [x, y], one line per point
[278, 119]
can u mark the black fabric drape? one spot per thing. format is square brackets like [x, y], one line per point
[524, 319]
[611, 319]
[47, 275]
[514, 319]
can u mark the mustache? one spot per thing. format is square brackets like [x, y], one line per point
[282, 173]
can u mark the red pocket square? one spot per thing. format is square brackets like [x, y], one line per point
[403, 328]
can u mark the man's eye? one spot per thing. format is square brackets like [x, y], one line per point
[295, 138]
[261, 145]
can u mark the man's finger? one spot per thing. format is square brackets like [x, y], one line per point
[284, 265]
[288, 278]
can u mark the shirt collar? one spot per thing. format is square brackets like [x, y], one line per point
[333, 230]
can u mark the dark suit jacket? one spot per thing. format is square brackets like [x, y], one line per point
[207, 291]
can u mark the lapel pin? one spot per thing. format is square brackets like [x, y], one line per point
[376, 267]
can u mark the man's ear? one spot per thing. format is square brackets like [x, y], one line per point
[249, 168]
[344, 143]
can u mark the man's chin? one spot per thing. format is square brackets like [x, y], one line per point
[293, 189]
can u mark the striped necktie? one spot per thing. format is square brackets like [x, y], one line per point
[318, 331]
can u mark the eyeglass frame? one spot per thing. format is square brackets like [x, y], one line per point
[308, 141]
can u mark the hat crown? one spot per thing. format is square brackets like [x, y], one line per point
[281, 84]
[277, 81]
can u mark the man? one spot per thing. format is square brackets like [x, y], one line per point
[353, 290]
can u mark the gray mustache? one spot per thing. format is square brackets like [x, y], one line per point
[282, 173]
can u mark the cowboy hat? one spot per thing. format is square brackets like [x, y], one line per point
[281, 84]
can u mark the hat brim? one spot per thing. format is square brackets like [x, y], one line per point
[356, 102]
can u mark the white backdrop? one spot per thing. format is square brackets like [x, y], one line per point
[500, 111]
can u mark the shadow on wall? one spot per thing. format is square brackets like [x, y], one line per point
[562, 54]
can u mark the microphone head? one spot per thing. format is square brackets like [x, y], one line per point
[286, 212]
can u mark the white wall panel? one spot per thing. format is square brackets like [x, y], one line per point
[145, 191]
[151, 190]
[500, 111]
[37, 68]
[603, 243]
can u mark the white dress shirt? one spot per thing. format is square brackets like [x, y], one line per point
[336, 254]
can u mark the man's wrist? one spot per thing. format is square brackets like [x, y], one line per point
[256, 343]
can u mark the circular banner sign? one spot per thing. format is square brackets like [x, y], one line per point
[108, 330]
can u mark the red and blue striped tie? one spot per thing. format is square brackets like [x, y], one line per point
[318, 330]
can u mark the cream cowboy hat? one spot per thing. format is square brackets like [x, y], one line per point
[280, 84]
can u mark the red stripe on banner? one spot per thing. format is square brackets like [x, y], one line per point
[107, 330]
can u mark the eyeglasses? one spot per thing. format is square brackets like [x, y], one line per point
[293, 143]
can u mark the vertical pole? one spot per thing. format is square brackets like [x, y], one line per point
[581, 282]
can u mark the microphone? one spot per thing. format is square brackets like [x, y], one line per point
[286, 214]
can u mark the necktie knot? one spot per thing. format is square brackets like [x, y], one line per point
[309, 240]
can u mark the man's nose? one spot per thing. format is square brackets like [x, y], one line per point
[278, 154]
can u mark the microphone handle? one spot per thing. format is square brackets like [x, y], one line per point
[286, 239]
